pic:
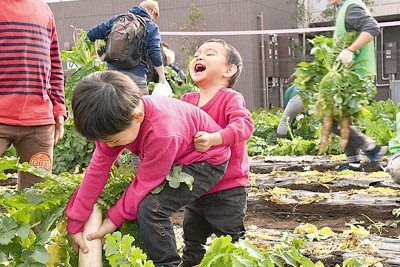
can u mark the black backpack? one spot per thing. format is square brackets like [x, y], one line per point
[125, 48]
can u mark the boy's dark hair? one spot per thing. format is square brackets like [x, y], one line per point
[103, 104]
[233, 57]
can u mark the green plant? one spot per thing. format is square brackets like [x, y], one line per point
[120, 252]
[222, 252]
[33, 228]
[29, 209]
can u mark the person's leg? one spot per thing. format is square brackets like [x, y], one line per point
[223, 211]
[7, 133]
[293, 108]
[155, 211]
[34, 145]
[353, 147]
[196, 230]
[357, 142]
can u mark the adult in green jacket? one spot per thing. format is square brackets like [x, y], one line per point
[354, 15]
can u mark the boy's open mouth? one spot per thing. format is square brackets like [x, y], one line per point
[199, 68]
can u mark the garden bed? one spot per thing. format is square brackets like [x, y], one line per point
[281, 200]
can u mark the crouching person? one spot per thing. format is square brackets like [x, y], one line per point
[107, 108]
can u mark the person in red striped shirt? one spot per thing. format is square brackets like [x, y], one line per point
[32, 105]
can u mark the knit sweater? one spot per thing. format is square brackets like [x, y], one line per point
[31, 76]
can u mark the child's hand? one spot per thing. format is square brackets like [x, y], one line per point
[106, 228]
[78, 242]
[202, 141]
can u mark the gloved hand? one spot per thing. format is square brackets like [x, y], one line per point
[346, 56]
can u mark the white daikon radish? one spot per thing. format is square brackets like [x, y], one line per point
[94, 257]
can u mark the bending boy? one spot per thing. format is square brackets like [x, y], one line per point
[107, 108]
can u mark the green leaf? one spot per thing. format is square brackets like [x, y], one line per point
[8, 230]
[40, 254]
[159, 188]
[126, 243]
[33, 198]
[177, 176]
[23, 230]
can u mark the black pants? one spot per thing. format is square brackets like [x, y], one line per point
[221, 213]
[155, 211]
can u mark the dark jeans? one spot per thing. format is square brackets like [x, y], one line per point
[155, 211]
[221, 213]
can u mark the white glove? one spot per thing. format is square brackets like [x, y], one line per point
[346, 56]
[163, 89]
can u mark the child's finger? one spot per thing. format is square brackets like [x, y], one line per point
[198, 134]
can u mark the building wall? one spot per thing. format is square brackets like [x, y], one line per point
[219, 15]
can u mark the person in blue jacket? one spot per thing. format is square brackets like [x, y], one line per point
[149, 10]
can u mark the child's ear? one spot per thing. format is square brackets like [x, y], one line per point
[138, 116]
[230, 71]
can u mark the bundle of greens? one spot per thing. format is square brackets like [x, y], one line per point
[332, 90]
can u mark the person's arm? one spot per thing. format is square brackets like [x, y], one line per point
[357, 19]
[81, 203]
[161, 74]
[154, 51]
[101, 30]
[239, 127]
[57, 87]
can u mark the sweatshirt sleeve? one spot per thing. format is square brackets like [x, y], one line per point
[357, 19]
[159, 156]
[153, 44]
[240, 126]
[56, 77]
[81, 204]
[101, 31]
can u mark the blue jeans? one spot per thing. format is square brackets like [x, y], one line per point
[221, 213]
[155, 211]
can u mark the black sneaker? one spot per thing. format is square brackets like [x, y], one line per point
[351, 166]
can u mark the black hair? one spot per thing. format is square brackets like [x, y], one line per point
[233, 57]
[103, 104]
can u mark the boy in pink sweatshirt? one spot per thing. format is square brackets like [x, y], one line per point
[107, 108]
[215, 68]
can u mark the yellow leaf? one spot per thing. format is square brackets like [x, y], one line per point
[307, 228]
[54, 250]
[326, 231]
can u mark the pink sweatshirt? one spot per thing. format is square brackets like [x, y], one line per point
[165, 138]
[228, 109]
